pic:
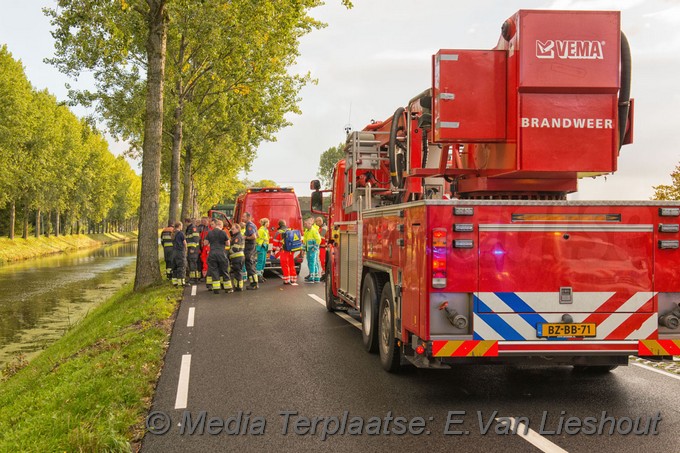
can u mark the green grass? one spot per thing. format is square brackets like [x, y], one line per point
[92, 389]
[32, 247]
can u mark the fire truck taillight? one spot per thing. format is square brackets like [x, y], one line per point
[420, 349]
[439, 251]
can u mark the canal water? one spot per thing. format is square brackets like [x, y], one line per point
[40, 299]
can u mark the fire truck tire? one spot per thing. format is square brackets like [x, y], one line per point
[369, 312]
[390, 356]
[331, 304]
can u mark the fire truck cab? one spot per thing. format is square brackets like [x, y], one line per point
[449, 225]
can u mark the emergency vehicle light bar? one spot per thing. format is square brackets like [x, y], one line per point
[270, 189]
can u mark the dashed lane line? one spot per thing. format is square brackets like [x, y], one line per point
[193, 290]
[665, 373]
[343, 315]
[183, 384]
[190, 318]
[533, 437]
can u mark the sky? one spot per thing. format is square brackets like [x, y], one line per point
[373, 58]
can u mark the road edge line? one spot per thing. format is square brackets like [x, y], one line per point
[341, 314]
[650, 368]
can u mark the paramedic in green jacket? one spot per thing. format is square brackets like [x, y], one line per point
[262, 246]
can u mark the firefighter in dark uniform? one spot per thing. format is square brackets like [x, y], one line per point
[179, 244]
[236, 257]
[166, 241]
[218, 264]
[193, 243]
[250, 250]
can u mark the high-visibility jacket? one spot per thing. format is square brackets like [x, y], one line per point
[193, 236]
[262, 236]
[237, 246]
[277, 241]
[311, 238]
[166, 236]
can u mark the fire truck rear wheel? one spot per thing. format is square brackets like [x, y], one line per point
[390, 356]
[369, 312]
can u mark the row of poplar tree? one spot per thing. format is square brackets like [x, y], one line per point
[57, 174]
[193, 85]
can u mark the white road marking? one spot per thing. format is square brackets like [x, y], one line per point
[343, 315]
[665, 373]
[534, 438]
[183, 384]
[193, 290]
[190, 318]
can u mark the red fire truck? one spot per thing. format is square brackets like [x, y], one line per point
[449, 225]
[274, 203]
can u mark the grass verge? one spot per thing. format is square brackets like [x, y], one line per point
[92, 389]
[32, 247]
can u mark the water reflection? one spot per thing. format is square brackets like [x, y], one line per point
[41, 298]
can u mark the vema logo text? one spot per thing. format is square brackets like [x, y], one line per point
[569, 49]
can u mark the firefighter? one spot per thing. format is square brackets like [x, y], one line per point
[262, 243]
[166, 240]
[250, 237]
[218, 263]
[236, 257]
[310, 243]
[179, 245]
[286, 257]
[206, 248]
[193, 239]
[323, 231]
[203, 230]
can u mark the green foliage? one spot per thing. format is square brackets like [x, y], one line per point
[227, 73]
[16, 95]
[327, 162]
[669, 192]
[55, 161]
[91, 390]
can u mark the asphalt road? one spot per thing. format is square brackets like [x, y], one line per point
[277, 351]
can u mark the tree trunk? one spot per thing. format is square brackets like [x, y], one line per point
[78, 226]
[48, 223]
[188, 185]
[177, 134]
[12, 219]
[148, 268]
[37, 223]
[25, 233]
[194, 200]
[56, 231]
